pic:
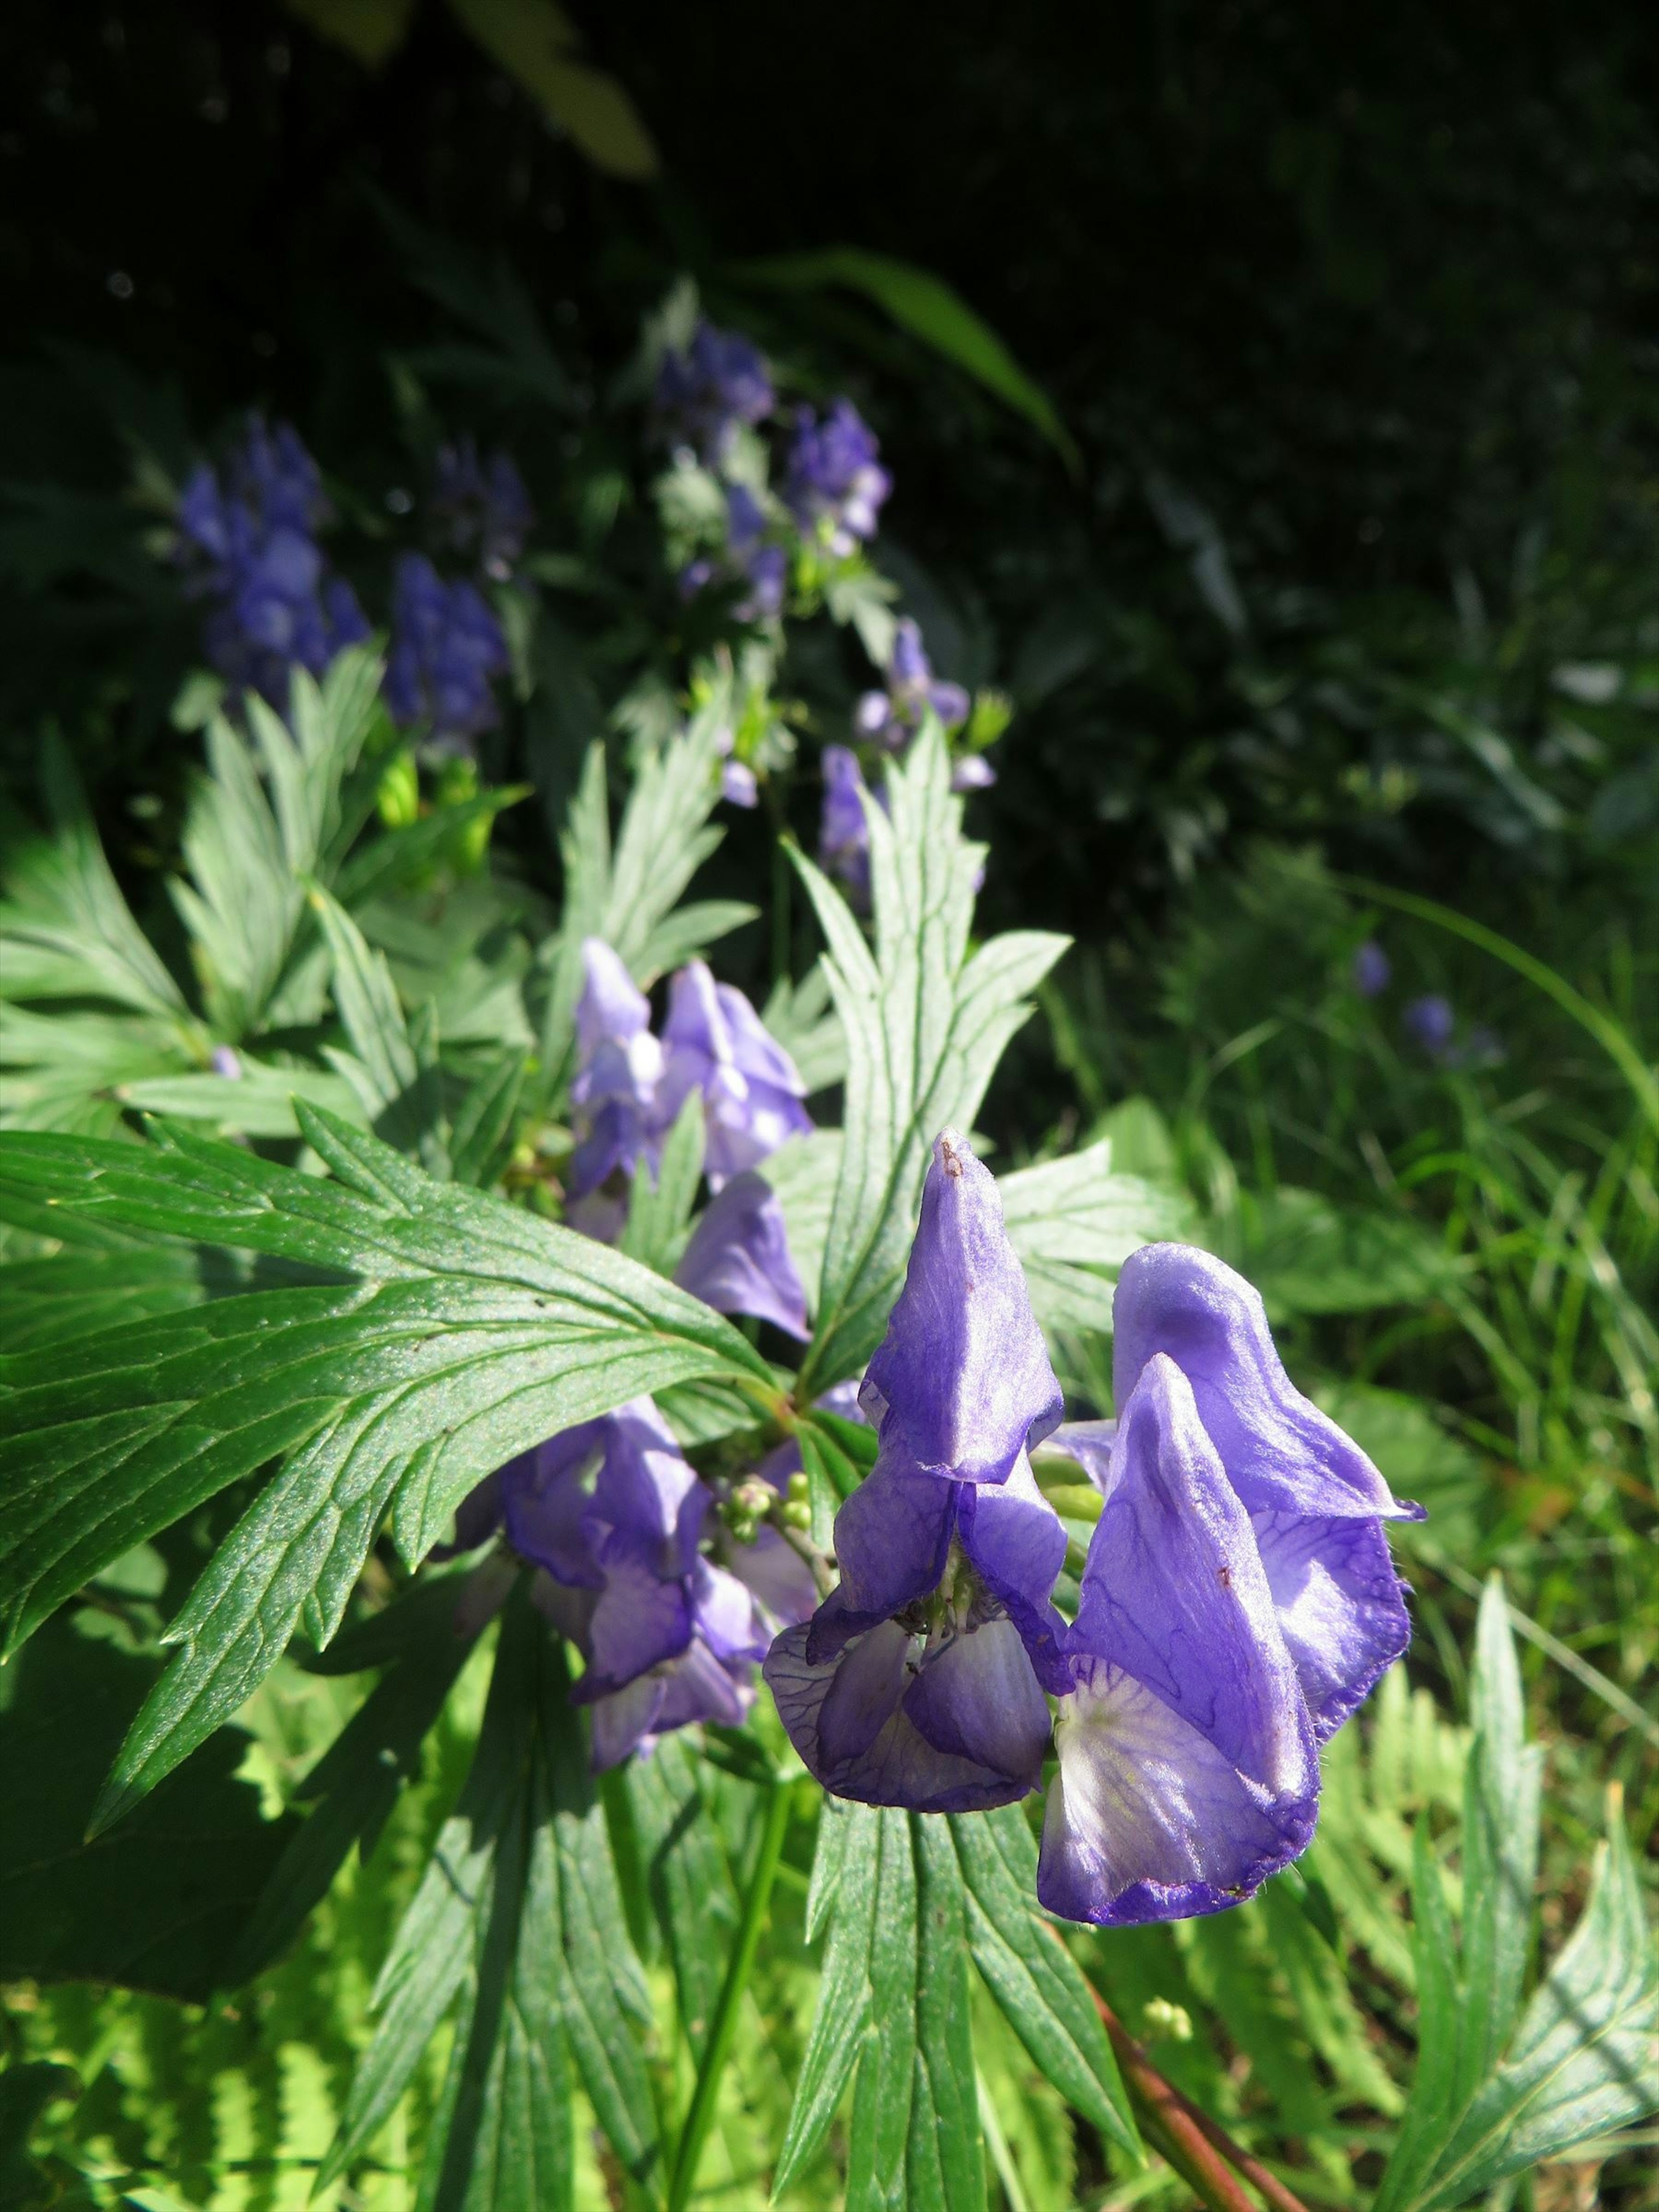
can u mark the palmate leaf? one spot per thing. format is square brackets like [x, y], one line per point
[395, 1081]
[629, 894]
[893, 2003]
[925, 1024]
[518, 1915]
[456, 1331]
[1487, 2103]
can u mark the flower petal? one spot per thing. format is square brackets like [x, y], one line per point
[891, 1538]
[1088, 1443]
[891, 1762]
[724, 1614]
[962, 1380]
[738, 1260]
[1281, 1454]
[624, 1720]
[638, 1623]
[699, 1687]
[775, 1572]
[1147, 1820]
[649, 1501]
[1014, 1538]
[1342, 1608]
[1174, 1592]
[978, 1697]
[546, 1497]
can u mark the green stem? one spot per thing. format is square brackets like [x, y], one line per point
[701, 2117]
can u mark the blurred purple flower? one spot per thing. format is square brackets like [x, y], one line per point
[738, 1259]
[614, 1092]
[833, 480]
[446, 647]
[482, 506]
[713, 1042]
[891, 718]
[1372, 969]
[250, 550]
[843, 829]
[1431, 1022]
[706, 393]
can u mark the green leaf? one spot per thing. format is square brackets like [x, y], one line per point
[845, 1875]
[925, 1024]
[1306, 1254]
[158, 1906]
[535, 42]
[355, 1783]
[1044, 1997]
[65, 930]
[481, 1141]
[44, 1302]
[398, 1086]
[259, 1103]
[925, 306]
[1073, 1223]
[945, 2160]
[687, 1876]
[469, 1331]
[660, 1211]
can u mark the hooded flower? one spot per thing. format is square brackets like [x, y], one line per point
[446, 647]
[921, 1680]
[713, 1042]
[1188, 1769]
[705, 394]
[1315, 1502]
[891, 718]
[738, 1260]
[833, 484]
[619, 1069]
[249, 544]
[616, 1516]
[843, 828]
[482, 506]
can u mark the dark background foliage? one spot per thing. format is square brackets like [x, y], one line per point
[1355, 321]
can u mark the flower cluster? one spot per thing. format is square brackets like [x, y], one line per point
[482, 507]
[645, 1574]
[446, 649]
[834, 483]
[1237, 1602]
[248, 541]
[843, 826]
[629, 1085]
[891, 718]
[752, 559]
[709, 391]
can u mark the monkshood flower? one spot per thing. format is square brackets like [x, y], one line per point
[891, 718]
[1187, 1767]
[446, 647]
[614, 1093]
[738, 1259]
[249, 546]
[843, 828]
[921, 1680]
[482, 506]
[713, 1042]
[1315, 1502]
[833, 484]
[705, 394]
[1372, 969]
[617, 1518]
[750, 559]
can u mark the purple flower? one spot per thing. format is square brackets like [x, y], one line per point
[891, 718]
[446, 646]
[843, 828]
[1429, 1022]
[615, 1515]
[481, 507]
[249, 546]
[1372, 969]
[962, 1383]
[707, 392]
[226, 1063]
[761, 565]
[1315, 1501]
[614, 1092]
[833, 483]
[1188, 1771]
[738, 1260]
[921, 1680]
[713, 1042]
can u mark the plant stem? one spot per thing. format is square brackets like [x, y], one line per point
[1202, 2152]
[699, 2117]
